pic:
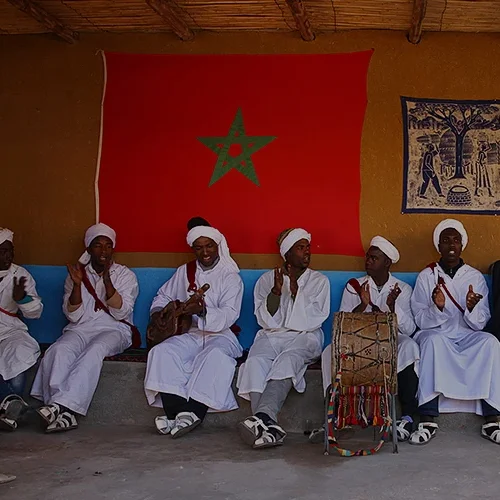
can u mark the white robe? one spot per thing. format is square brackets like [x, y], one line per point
[18, 350]
[408, 351]
[199, 364]
[289, 340]
[70, 369]
[458, 362]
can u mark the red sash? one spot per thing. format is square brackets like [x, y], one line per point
[357, 288]
[191, 276]
[442, 283]
[99, 305]
[8, 313]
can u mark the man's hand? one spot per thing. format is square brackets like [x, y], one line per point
[76, 273]
[364, 294]
[438, 297]
[105, 274]
[193, 307]
[157, 320]
[391, 298]
[19, 289]
[294, 286]
[472, 298]
[278, 281]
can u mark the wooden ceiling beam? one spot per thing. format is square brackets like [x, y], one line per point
[48, 20]
[301, 18]
[417, 18]
[166, 10]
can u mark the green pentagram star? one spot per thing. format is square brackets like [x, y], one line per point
[243, 162]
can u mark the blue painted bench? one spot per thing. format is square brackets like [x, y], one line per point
[50, 282]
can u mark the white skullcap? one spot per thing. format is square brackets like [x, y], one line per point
[291, 238]
[450, 224]
[210, 232]
[6, 235]
[387, 247]
[92, 233]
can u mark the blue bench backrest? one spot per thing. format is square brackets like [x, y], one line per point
[50, 282]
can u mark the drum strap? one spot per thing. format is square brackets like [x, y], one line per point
[99, 305]
[442, 283]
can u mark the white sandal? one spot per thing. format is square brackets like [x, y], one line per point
[7, 424]
[66, 421]
[6, 478]
[251, 429]
[274, 436]
[13, 407]
[493, 436]
[402, 431]
[163, 425]
[424, 433]
[317, 436]
[49, 413]
[185, 422]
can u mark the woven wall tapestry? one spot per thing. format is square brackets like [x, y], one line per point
[451, 156]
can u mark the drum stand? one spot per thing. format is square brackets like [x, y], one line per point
[393, 418]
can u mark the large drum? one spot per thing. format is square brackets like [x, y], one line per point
[364, 376]
[365, 349]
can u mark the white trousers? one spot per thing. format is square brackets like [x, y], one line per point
[70, 369]
[460, 371]
[194, 366]
[278, 356]
[18, 352]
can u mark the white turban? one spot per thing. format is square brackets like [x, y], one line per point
[387, 247]
[6, 235]
[450, 224]
[92, 233]
[210, 232]
[291, 238]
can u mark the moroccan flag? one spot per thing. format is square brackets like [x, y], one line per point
[253, 143]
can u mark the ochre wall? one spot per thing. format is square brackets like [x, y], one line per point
[50, 95]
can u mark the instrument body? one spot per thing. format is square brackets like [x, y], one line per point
[172, 319]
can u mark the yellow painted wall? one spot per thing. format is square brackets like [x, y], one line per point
[50, 95]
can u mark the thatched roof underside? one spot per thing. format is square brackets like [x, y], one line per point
[263, 15]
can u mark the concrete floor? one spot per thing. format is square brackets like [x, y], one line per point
[134, 463]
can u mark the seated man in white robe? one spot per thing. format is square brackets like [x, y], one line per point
[18, 350]
[192, 373]
[99, 298]
[291, 304]
[459, 364]
[380, 291]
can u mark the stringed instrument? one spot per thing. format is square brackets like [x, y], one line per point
[172, 320]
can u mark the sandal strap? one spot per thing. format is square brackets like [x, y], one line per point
[50, 412]
[185, 418]
[401, 429]
[256, 425]
[163, 424]
[274, 436]
[65, 420]
[278, 430]
[494, 435]
[424, 432]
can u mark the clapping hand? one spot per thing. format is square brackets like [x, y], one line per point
[438, 297]
[19, 289]
[391, 298]
[472, 298]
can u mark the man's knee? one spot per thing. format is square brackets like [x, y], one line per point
[430, 338]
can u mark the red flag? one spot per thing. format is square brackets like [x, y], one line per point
[253, 143]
